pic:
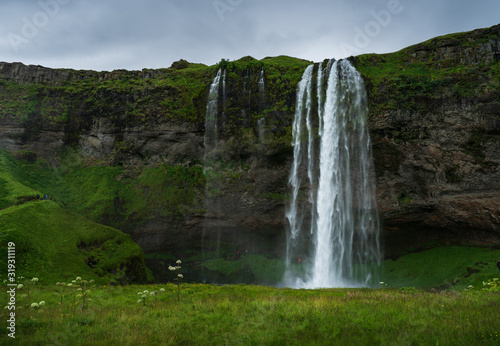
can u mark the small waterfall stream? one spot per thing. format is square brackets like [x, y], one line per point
[211, 119]
[261, 123]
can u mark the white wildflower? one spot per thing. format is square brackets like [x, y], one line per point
[70, 284]
[139, 301]
[34, 305]
[162, 290]
[178, 262]
[152, 294]
[78, 278]
[20, 286]
[34, 279]
[180, 276]
[42, 303]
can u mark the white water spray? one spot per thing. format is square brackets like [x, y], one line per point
[339, 247]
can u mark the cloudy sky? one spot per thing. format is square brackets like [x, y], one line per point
[136, 34]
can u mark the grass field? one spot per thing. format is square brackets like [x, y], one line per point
[253, 315]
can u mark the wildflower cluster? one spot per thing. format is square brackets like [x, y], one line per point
[492, 285]
[38, 305]
[80, 292]
[177, 267]
[145, 294]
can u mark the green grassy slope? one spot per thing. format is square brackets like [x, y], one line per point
[55, 244]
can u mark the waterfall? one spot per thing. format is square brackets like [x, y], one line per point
[339, 246]
[261, 123]
[210, 240]
[211, 119]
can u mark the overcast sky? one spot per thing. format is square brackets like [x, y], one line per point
[136, 34]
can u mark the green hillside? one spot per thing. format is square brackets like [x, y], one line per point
[55, 244]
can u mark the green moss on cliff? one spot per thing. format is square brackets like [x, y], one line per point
[420, 77]
[244, 104]
[116, 196]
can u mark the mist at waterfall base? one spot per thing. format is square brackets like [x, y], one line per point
[333, 233]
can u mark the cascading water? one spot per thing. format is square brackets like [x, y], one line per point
[261, 123]
[211, 119]
[339, 246]
[210, 241]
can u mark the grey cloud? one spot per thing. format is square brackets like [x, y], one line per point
[107, 35]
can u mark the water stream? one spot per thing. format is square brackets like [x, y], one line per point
[332, 183]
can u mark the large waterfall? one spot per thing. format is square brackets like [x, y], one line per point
[333, 238]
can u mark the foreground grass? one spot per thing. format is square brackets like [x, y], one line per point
[240, 314]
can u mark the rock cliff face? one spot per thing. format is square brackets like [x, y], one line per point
[437, 152]
[434, 122]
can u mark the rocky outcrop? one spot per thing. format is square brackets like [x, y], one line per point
[481, 46]
[28, 74]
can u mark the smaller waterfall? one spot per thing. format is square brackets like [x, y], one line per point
[261, 82]
[211, 119]
[210, 241]
[261, 123]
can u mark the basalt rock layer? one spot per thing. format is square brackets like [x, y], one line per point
[434, 122]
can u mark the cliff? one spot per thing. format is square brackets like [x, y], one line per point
[135, 141]
[435, 126]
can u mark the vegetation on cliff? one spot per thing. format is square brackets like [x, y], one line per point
[459, 67]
